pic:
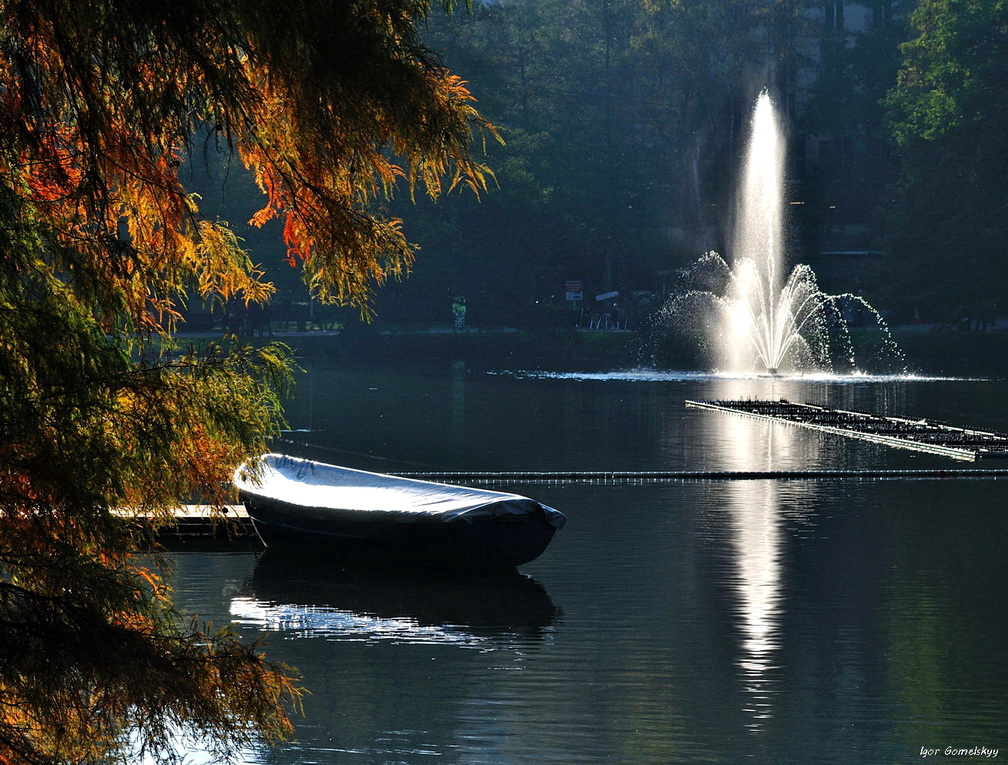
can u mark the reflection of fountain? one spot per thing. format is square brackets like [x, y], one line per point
[752, 316]
[754, 521]
[757, 514]
[757, 538]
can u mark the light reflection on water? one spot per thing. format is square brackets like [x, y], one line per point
[761, 621]
[754, 520]
[308, 599]
[337, 624]
[756, 538]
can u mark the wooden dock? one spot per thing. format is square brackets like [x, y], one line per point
[197, 523]
[921, 435]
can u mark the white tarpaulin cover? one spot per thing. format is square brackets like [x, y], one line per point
[330, 490]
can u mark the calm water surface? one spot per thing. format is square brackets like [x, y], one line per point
[723, 622]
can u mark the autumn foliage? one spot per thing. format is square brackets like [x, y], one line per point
[330, 105]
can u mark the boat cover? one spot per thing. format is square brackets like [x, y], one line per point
[340, 491]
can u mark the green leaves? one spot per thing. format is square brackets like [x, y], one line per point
[948, 115]
[952, 70]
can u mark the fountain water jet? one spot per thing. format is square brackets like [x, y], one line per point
[751, 316]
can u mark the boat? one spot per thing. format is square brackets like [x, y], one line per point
[312, 506]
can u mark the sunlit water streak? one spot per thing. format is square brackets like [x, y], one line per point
[754, 526]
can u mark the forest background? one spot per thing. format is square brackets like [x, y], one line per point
[623, 122]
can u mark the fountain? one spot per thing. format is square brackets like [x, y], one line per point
[748, 315]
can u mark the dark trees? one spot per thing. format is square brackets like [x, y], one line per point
[949, 115]
[621, 121]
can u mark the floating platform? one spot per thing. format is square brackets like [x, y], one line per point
[920, 435]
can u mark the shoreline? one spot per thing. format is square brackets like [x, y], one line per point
[944, 352]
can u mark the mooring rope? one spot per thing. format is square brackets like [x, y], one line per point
[620, 477]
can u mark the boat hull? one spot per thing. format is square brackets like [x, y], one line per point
[498, 542]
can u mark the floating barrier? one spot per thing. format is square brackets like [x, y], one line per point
[921, 435]
[617, 477]
[197, 525]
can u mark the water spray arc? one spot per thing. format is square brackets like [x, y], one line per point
[753, 317]
[757, 245]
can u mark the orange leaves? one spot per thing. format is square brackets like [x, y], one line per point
[328, 226]
[450, 128]
[55, 175]
[267, 181]
[50, 168]
[324, 165]
[263, 216]
[222, 268]
[328, 136]
[298, 241]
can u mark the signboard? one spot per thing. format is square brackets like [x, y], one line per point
[574, 291]
[607, 296]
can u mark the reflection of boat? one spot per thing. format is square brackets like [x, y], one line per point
[309, 598]
[298, 502]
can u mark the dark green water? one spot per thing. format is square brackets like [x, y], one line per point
[723, 622]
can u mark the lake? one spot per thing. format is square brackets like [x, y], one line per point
[776, 621]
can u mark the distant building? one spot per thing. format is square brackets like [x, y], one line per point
[844, 154]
